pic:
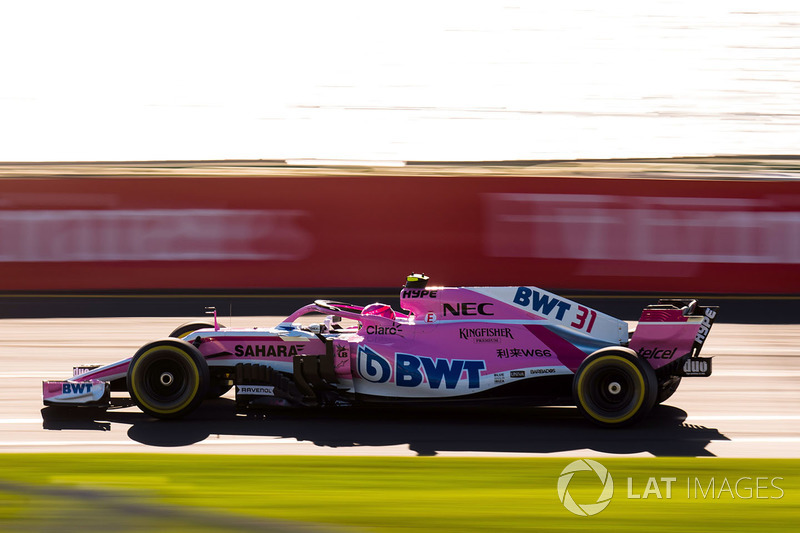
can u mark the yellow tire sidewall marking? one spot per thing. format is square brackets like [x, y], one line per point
[636, 371]
[182, 354]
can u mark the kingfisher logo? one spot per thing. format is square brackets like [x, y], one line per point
[585, 509]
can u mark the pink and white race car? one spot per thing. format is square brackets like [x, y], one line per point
[519, 345]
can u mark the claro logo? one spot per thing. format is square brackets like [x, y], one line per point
[394, 329]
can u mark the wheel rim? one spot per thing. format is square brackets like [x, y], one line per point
[611, 389]
[166, 379]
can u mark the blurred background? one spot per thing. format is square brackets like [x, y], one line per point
[160, 157]
[267, 153]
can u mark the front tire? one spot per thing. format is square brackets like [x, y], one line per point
[168, 378]
[614, 388]
[218, 385]
[190, 327]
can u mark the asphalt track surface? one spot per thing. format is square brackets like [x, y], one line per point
[750, 407]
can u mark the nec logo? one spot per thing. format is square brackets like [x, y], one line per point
[541, 303]
[467, 309]
[76, 388]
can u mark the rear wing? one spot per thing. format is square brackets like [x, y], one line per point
[671, 330]
[689, 308]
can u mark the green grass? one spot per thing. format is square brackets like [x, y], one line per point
[204, 492]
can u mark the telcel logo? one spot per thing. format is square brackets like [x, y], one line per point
[656, 353]
[587, 509]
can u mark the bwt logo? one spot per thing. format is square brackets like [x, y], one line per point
[411, 370]
[76, 388]
[587, 509]
[541, 303]
[372, 367]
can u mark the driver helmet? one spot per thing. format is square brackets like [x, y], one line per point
[378, 309]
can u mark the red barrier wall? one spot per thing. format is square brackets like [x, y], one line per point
[663, 235]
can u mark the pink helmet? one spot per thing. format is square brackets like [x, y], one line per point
[378, 309]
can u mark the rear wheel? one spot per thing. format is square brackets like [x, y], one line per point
[614, 388]
[168, 379]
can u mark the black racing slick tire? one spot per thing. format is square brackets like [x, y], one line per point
[614, 388]
[168, 378]
[182, 331]
[216, 387]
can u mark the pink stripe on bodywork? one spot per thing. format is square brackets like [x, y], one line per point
[105, 372]
[570, 355]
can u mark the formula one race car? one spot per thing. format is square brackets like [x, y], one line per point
[519, 345]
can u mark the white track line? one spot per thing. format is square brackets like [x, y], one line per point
[306, 444]
[753, 418]
[763, 440]
[690, 418]
[14, 375]
[209, 441]
[756, 373]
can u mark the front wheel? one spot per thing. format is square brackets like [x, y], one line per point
[217, 386]
[614, 388]
[190, 327]
[168, 378]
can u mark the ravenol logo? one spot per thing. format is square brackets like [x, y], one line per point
[587, 509]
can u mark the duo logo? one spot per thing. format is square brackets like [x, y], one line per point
[587, 509]
[411, 370]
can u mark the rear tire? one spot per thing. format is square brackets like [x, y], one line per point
[614, 388]
[168, 378]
